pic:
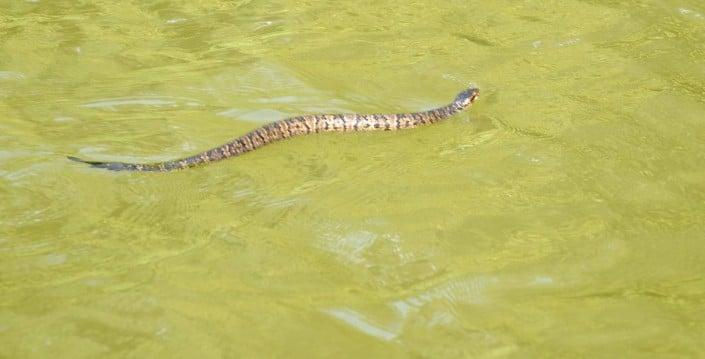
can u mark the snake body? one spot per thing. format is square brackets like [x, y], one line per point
[301, 125]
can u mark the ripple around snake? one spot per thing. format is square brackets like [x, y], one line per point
[114, 104]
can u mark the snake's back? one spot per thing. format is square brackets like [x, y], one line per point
[302, 125]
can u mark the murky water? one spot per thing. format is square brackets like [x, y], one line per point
[563, 215]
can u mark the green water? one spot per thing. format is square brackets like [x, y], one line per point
[562, 216]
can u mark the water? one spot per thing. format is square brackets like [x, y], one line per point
[561, 216]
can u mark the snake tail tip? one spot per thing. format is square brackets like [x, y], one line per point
[97, 164]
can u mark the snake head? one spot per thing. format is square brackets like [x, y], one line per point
[467, 97]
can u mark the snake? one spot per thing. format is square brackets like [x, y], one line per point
[298, 126]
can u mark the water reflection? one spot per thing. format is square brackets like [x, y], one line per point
[11, 75]
[359, 322]
[150, 101]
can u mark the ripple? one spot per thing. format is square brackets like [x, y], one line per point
[176, 20]
[352, 246]
[11, 75]
[400, 312]
[569, 42]
[469, 290]
[53, 259]
[688, 12]
[254, 116]
[113, 104]
[359, 322]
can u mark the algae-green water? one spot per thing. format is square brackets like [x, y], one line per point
[561, 216]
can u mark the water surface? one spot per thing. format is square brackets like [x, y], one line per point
[561, 216]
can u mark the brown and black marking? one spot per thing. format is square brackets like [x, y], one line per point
[301, 125]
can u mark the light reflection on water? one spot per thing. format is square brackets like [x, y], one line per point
[156, 101]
